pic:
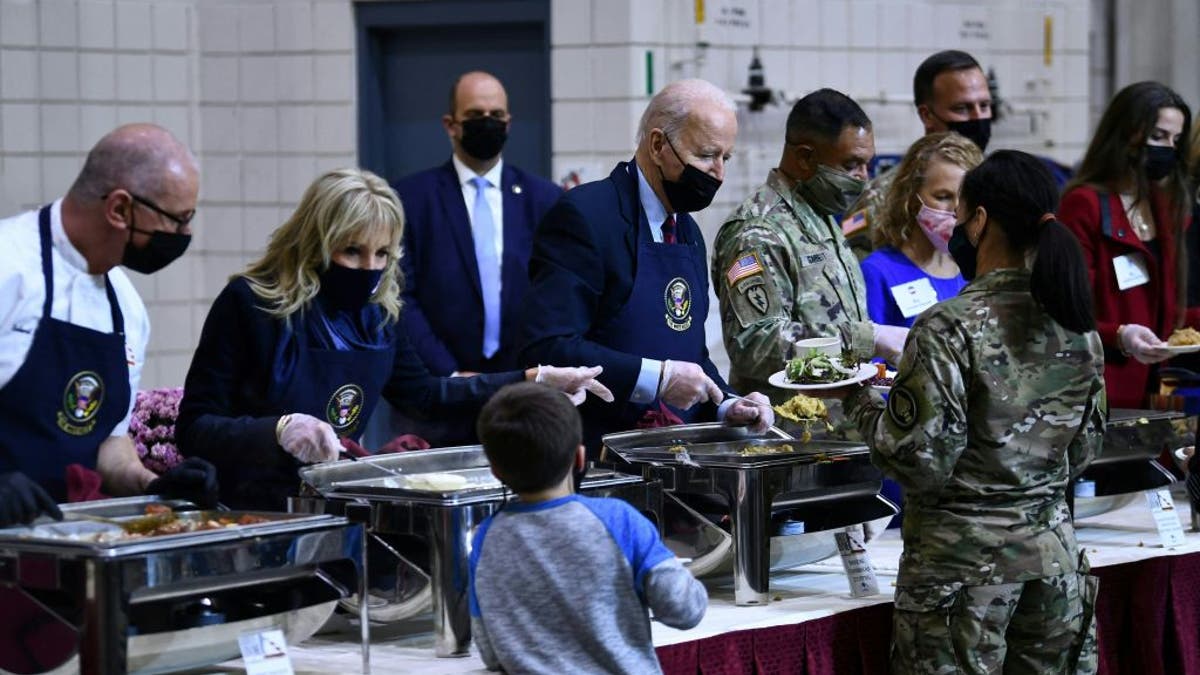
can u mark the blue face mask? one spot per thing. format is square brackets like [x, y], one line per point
[346, 288]
[963, 251]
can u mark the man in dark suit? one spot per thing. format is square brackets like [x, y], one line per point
[467, 239]
[618, 273]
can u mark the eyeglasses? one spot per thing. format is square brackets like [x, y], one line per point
[180, 221]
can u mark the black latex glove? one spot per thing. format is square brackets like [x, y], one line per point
[22, 500]
[194, 480]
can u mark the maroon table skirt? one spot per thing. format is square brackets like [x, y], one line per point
[1148, 613]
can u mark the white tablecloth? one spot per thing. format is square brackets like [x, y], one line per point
[807, 593]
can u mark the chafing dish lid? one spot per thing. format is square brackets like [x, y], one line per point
[745, 453]
[709, 432]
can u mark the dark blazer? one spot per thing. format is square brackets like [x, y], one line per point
[443, 311]
[227, 418]
[580, 275]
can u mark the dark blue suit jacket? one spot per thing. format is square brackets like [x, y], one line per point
[581, 274]
[443, 304]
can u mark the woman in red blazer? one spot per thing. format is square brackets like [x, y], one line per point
[1129, 205]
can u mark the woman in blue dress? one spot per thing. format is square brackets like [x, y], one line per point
[298, 349]
[911, 268]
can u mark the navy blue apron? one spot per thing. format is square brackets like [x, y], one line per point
[664, 316]
[68, 395]
[340, 387]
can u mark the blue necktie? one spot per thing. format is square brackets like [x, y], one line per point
[483, 230]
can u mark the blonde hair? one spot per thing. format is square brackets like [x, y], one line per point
[337, 206]
[898, 217]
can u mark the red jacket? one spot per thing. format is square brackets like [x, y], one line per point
[1154, 304]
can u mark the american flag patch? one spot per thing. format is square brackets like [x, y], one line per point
[746, 265]
[854, 222]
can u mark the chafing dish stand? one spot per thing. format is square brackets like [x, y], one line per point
[446, 520]
[818, 475]
[1127, 463]
[167, 602]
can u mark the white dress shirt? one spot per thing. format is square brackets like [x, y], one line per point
[494, 197]
[79, 298]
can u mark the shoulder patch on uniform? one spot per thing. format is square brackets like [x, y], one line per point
[854, 222]
[754, 290]
[902, 408]
[746, 264]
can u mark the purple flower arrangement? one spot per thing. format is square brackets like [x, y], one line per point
[152, 427]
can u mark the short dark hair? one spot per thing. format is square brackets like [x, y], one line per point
[942, 62]
[530, 434]
[822, 115]
[1020, 195]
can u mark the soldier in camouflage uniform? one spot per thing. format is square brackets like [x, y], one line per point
[999, 404]
[781, 267]
[951, 93]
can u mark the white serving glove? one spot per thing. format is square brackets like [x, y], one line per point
[574, 382]
[889, 342]
[684, 384]
[752, 410]
[307, 438]
[1141, 343]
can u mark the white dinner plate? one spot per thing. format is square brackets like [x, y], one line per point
[865, 372]
[1183, 349]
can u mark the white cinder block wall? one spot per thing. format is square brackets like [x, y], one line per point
[262, 91]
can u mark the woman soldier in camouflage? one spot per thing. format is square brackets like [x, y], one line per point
[998, 405]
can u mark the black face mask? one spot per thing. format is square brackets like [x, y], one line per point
[483, 137]
[1160, 160]
[346, 288]
[694, 190]
[979, 131]
[963, 251]
[162, 249]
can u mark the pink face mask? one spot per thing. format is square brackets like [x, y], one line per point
[937, 225]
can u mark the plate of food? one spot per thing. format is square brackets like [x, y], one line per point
[883, 379]
[1184, 341]
[817, 371]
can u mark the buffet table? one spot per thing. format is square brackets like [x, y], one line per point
[1149, 612]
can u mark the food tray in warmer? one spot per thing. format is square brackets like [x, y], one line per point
[1140, 434]
[708, 432]
[479, 483]
[747, 453]
[73, 537]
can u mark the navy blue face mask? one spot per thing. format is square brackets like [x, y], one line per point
[348, 289]
[963, 251]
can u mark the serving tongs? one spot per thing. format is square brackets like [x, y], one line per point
[344, 454]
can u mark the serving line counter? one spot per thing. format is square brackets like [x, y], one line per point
[813, 625]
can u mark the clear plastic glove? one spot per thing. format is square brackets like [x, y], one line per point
[752, 410]
[684, 384]
[1142, 344]
[194, 480]
[309, 440]
[22, 500]
[889, 342]
[574, 382]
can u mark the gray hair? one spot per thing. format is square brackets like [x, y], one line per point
[669, 108]
[135, 157]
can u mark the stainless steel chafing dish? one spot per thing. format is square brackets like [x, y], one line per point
[763, 487]
[1127, 464]
[166, 602]
[445, 519]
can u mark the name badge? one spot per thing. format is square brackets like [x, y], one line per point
[809, 259]
[914, 297]
[1131, 270]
